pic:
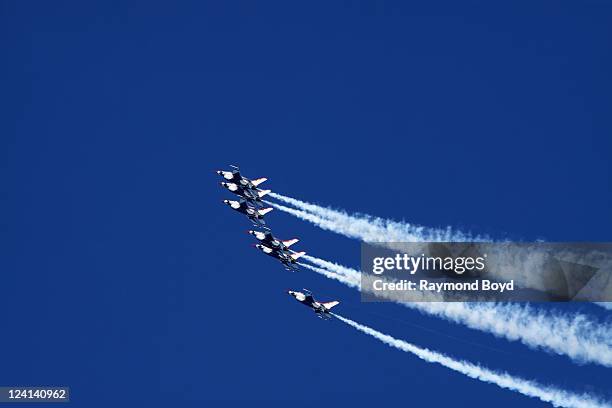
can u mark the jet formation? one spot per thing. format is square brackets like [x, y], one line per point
[250, 204]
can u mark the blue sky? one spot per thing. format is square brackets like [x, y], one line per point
[128, 280]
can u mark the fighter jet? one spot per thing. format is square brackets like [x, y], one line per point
[235, 177]
[320, 308]
[250, 194]
[254, 214]
[286, 257]
[270, 241]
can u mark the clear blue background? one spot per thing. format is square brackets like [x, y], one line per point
[123, 275]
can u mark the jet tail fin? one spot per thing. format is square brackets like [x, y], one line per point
[296, 255]
[329, 305]
[264, 211]
[290, 242]
[262, 193]
[258, 181]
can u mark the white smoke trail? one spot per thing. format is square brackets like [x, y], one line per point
[576, 336]
[605, 305]
[505, 264]
[516, 264]
[370, 229]
[336, 268]
[352, 283]
[556, 397]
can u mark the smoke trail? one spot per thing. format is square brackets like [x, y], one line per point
[352, 283]
[605, 305]
[587, 341]
[337, 268]
[505, 265]
[556, 397]
[575, 336]
[370, 229]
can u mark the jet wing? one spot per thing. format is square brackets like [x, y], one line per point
[258, 181]
[329, 305]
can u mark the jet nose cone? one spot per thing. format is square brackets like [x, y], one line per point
[223, 184]
[226, 201]
[251, 232]
[218, 172]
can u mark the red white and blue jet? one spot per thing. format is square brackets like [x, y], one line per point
[254, 214]
[322, 309]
